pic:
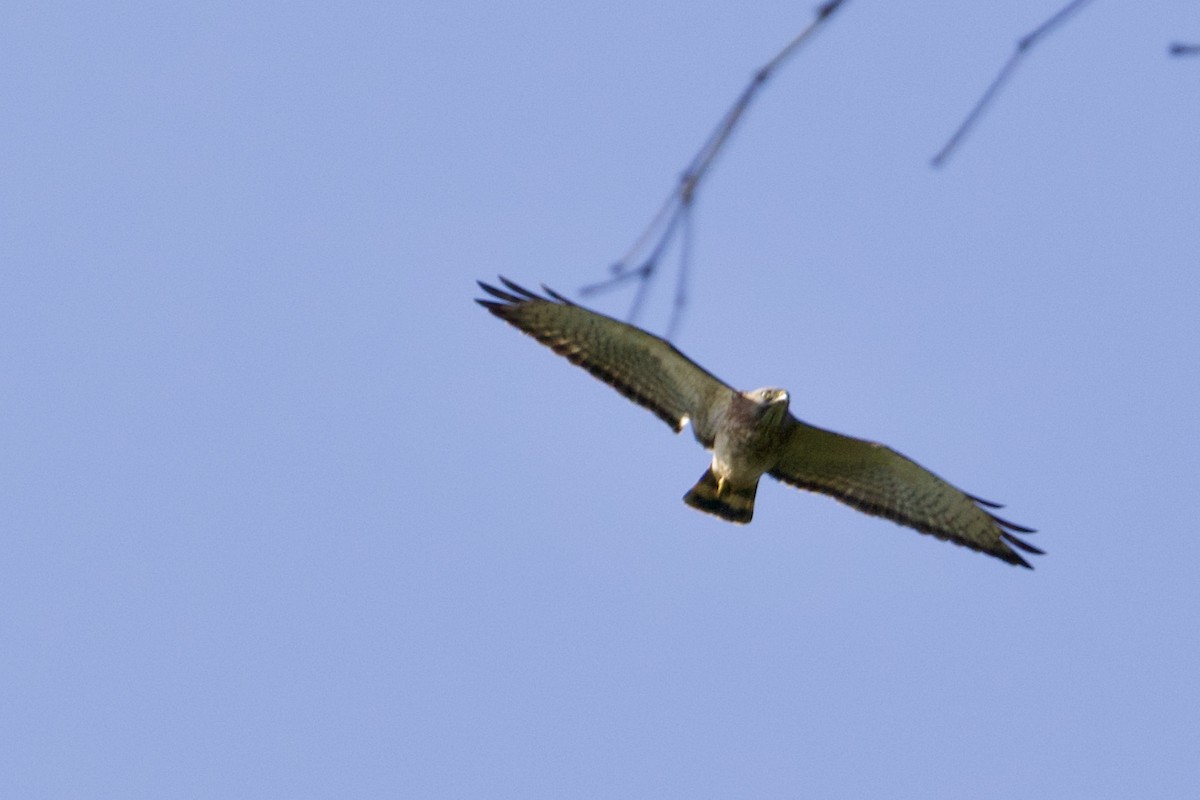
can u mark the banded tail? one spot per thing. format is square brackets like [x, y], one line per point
[713, 496]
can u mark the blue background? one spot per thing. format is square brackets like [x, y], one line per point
[286, 515]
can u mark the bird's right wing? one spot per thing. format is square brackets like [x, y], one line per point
[877, 480]
[643, 367]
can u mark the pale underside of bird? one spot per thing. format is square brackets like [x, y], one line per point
[753, 433]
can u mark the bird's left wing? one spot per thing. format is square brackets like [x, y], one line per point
[640, 365]
[877, 480]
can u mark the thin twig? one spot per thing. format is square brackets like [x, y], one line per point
[1023, 45]
[685, 255]
[1181, 49]
[674, 216]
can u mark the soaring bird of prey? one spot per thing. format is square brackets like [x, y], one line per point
[752, 433]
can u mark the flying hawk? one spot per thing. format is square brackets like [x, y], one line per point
[752, 433]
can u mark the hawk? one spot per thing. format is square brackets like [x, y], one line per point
[753, 434]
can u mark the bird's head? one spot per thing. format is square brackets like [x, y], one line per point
[772, 403]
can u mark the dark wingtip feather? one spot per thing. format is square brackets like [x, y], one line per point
[1005, 553]
[556, 296]
[1022, 545]
[493, 306]
[521, 290]
[500, 293]
[1012, 526]
[983, 502]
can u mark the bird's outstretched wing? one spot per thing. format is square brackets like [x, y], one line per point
[643, 367]
[876, 479]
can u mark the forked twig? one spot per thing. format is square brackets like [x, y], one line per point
[1023, 45]
[674, 216]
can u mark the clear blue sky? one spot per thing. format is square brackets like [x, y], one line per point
[287, 515]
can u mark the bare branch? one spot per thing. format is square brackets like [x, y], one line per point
[674, 216]
[1181, 49]
[1023, 45]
